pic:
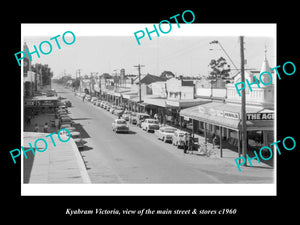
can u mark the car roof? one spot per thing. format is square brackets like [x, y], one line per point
[143, 114]
[120, 120]
[181, 131]
[167, 127]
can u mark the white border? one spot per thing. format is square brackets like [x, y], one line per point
[254, 30]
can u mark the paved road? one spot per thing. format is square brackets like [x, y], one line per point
[139, 157]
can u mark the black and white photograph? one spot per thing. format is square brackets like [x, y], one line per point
[149, 111]
[101, 108]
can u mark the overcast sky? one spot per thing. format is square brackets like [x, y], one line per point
[181, 55]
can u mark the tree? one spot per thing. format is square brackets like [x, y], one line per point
[76, 83]
[220, 69]
[167, 74]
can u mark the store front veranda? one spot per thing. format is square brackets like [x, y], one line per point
[224, 120]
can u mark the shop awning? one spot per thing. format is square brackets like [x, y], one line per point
[185, 103]
[226, 115]
[193, 113]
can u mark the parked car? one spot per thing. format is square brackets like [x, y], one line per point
[165, 133]
[150, 125]
[88, 98]
[51, 93]
[178, 138]
[140, 118]
[133, 118]
[118, 111]
[112, 109]
[108, 106]
[126, 116]
[102, 104]
[68, 103]
[120, 125]
[65, 120]
[98, 102]
[93, 100]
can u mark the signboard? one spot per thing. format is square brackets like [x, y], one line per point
[42, 103]
[219, 113]
[231, 115]
[260, 116]
[186, 118]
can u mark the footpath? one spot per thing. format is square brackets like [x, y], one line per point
[57, 164]
[229, 154]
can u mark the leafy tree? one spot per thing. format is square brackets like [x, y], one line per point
[220, 69]
[167, 74]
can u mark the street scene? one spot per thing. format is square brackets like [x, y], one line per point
[138, 123]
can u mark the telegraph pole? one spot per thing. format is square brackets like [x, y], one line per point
[243, 109]
[140, 91]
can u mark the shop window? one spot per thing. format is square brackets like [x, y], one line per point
[255, 139]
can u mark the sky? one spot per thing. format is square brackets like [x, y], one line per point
[182, 55]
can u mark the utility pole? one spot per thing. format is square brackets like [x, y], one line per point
[140, 90]
[243, 109]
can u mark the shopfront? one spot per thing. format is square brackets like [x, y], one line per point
[41, 104]
[223, 120]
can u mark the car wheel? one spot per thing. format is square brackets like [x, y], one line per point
[163, 139]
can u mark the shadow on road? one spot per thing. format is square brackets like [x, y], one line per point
[81, 118]
[86, 148]
[80, 129]
[129, 132]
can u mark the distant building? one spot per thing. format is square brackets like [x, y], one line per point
[180, 89]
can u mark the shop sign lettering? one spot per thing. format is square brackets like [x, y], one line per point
[260, 116]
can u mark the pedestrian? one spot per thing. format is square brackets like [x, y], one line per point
[36, 128]
[56, 123]
[214, 139]
[28, 121]
[46, 128]
[191, 142]
[185, 139]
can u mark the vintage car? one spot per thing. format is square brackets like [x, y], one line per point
[98, 102]
[112, 109]
[93, 100]
[120, 125]
[67, 103]
[179, 138]
[133, 118]
[65, 120]
[140, 117]
[150, 125]
[165, 133]
[88, 98]
[118, 111]
[126, 116]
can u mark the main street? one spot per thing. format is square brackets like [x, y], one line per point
[138, 157]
